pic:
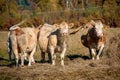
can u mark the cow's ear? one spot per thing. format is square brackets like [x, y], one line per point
[70, 25]
[33, 26]
[57, 26]
[39, 27]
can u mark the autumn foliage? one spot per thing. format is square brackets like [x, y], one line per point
[54, 11]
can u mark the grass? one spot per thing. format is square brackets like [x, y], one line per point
[75, 48]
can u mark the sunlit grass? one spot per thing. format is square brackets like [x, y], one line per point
[75, 48]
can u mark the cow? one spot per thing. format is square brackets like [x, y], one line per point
[9, 44]
[23, 41]
[52, 39]
[94, 38]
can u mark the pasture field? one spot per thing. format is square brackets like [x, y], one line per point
[78, 66]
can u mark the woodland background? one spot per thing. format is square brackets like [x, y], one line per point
[54, 11]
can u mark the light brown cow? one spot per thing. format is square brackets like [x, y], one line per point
[9, 44]
[23, 40]
[94, 38]
[52, 39]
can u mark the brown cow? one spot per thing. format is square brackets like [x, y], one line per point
[94, 38]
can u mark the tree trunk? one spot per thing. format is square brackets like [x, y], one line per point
[83, 4]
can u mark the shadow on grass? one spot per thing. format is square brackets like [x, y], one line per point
[4, 59]
[10, 63]
[6, 62]
[75, 56]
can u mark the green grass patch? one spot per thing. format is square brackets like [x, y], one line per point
[5, 77]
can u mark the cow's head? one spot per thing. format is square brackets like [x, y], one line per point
[98, 27]
[63, 28]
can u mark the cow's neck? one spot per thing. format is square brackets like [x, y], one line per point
[93, 36]
[98, 40]
[61, 39]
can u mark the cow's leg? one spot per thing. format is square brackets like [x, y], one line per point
[62, 56]
[93, 54]
[16, 57]
[53, 55]
[17, 60]
[31, 56]
[22, 58]
[49, 57]
[33, 61]
[25, 56]
[42, 56]
[90, 53]
[14, 46]
[100, 51]
[15, 51]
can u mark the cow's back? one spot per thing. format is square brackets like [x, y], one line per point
[28, 39]
[44, 34]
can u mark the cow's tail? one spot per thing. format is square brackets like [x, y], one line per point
[9, 47]
[14, 27]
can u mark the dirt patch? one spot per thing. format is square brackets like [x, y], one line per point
[77, 69]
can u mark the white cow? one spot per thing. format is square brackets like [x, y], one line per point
[9, 44]
[23, 40]
[52, 39]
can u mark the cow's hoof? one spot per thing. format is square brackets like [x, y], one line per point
[29, 64]
[33, 62]
[97, 58]
[21, 65]
[53, 64]
[93, 58]
[62, 64]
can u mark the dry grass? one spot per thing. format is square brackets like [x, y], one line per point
[74, 44]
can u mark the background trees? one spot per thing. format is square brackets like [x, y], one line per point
[51, 11]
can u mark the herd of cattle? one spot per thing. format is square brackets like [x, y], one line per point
[51, 39]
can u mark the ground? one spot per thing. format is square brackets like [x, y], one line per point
[78, 66]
